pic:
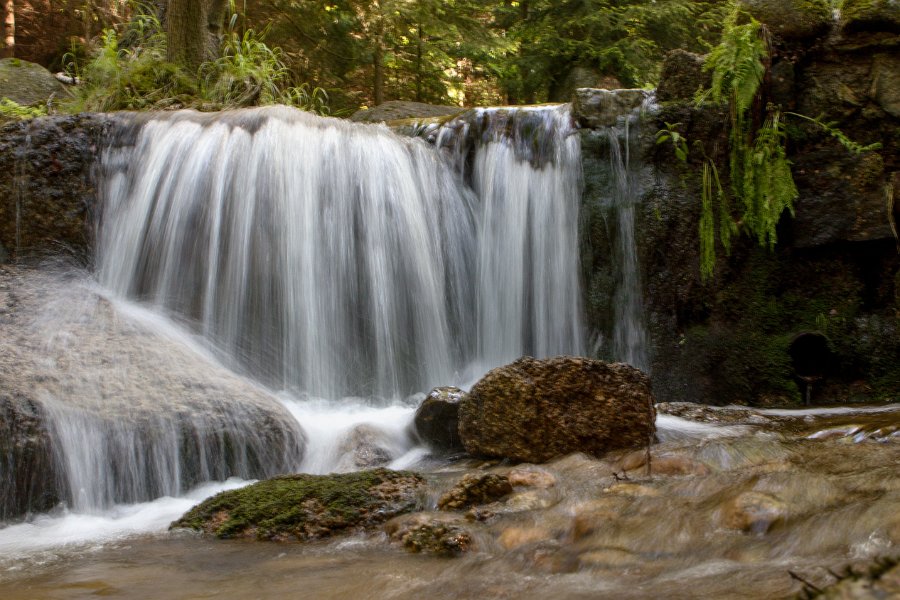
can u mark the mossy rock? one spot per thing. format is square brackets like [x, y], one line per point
[870, 15]
[28, 83]
[306, 507]
[792, 19]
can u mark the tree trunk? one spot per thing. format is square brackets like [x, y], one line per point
[9, 28]
[187, 32]
[378, 64]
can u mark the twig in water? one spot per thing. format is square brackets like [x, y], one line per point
[804, 582]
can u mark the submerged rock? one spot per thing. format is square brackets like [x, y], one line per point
[753, 512]
[534, 410]
[306, 507]
[437, 419]
[364, 447]
[431, 533]
[475, 489]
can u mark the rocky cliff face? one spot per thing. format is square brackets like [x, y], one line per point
[834, 274]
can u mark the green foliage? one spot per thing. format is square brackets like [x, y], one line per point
[768, 188]
[679, 143]
[130, 72]
[13, 111]
[132, 75]
[829, 127]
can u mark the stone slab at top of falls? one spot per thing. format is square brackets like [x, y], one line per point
[596, 108]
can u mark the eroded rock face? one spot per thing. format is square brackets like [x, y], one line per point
[533, 410]
[437, 419]
[792, 19]
[306, 507]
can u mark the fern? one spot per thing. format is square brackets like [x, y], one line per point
[851, 146]
[768, 187]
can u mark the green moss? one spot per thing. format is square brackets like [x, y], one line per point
[305, 506]
[867, 14]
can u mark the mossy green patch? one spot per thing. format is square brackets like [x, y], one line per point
[305, 507]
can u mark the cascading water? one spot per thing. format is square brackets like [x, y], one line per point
[342, 267]
[525, 167]
[338, 260]
[629, 337]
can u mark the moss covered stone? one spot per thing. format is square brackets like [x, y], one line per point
[305, 507]
[792, 19]
[871, 15]
[28, 83]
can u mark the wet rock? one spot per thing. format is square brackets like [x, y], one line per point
[534, 410]
[528, 500]
[886, 82]
[607, 558]
[306, 507]
[531, 477]
[72, 367]
[437, 419]
[596, 108]
[394, 110]
[27, 473]
[664, 465]
[632, 490]
[430, 533]
[364, 447]
[753, 512]
[596, 515]
[682, 75]
[792, 19]
[516, 537]
[47, 194]
[475, 489]
[881, 580]
[28, 83]
[870, 15]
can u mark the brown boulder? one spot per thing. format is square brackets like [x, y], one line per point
[534, 410]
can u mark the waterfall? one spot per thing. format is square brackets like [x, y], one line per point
[629, 334]
[332, 259]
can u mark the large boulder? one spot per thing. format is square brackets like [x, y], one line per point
[534, 410]
[870, 15]
[305, 507]
[792, 19]
[161, 416]
[28, 83]
[437, 419]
